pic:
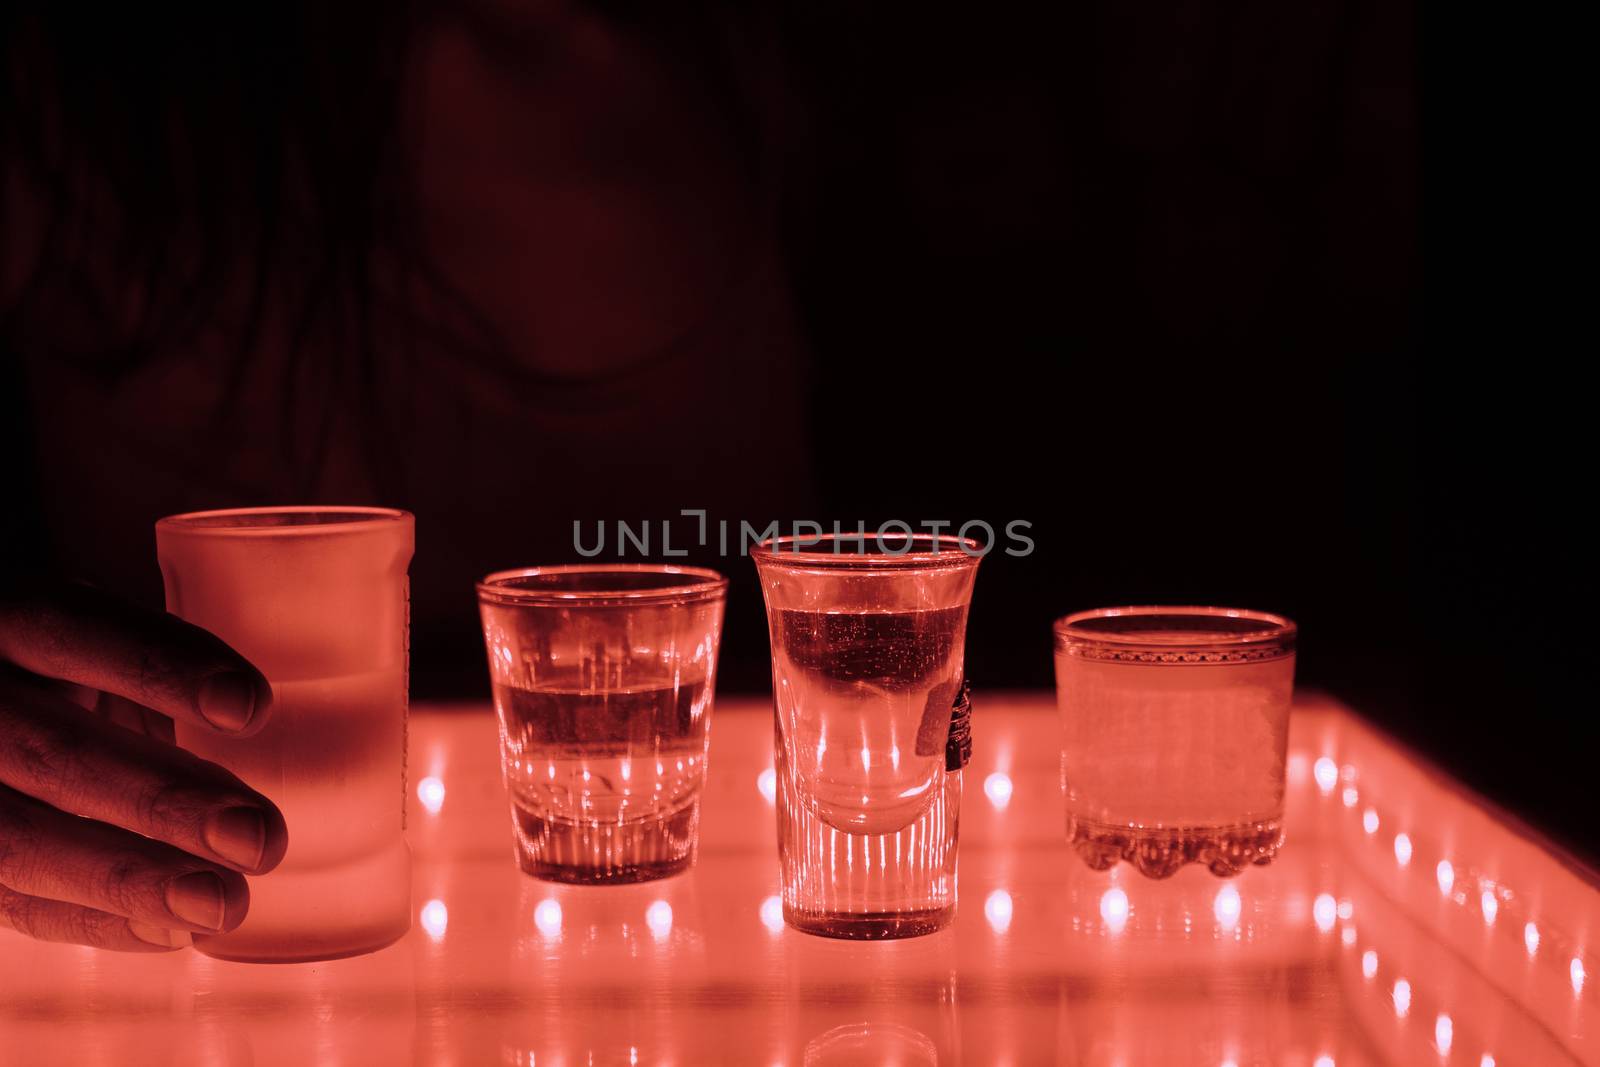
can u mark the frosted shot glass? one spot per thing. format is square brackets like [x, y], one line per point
[317, 598]
[1175, 728]
[868, 636]
[603, 677]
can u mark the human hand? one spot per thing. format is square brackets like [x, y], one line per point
[111, 835]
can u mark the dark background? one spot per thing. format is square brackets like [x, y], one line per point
[1149, 279]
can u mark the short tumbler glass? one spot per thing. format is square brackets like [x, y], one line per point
[603, 677]
[1175, 724]
[316, 597]
[868, 634]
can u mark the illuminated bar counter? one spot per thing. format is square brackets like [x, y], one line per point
[1404, 923]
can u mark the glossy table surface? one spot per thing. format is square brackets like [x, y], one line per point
[1403, 923]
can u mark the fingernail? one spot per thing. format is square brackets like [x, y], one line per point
[197, 898]
[238, 835]
[228, 700]
[160, 935]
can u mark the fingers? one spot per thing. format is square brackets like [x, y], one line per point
[50, 854]
[66, 757]
[55, 920]
[155, 659]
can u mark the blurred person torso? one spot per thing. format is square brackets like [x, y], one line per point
[559, 300]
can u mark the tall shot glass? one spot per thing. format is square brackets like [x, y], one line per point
[868, 635]
[317, 598]
[1175, 726]
[603, 678]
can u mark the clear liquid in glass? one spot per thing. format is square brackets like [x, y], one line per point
[1171, 763]
[605, 784]
[867, 810]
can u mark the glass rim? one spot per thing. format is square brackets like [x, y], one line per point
[702, 583]
[948, 551]
[1272, 633]
[219, 522]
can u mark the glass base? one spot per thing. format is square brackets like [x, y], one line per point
[1158, 851]
[327, 913]
[867, 925]
[622, 874]
[594, 853]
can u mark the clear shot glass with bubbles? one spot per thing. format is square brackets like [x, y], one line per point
[603, 678]
[868, 635]
[1174, 725]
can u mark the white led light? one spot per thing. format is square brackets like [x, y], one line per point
[1402, 997]
[430, 791]
[1326, 773]
[1226, 907]
[997, 787]
[772, 914]
[435, 919]
[997, 910]
[1114, 909]
[1402, 849]
[658, 917]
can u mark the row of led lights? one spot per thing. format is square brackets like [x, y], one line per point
[1444, 1028]
[1114, 908]
[435, 918]
[1328, 775]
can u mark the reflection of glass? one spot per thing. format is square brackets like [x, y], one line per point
[603, 678]
[858, 1043]
[867, 640]
[316, 598]
[1174, 730]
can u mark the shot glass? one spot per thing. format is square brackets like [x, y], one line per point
[316, 597]
[1174, 725]
[603, 677]
[868, 635]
